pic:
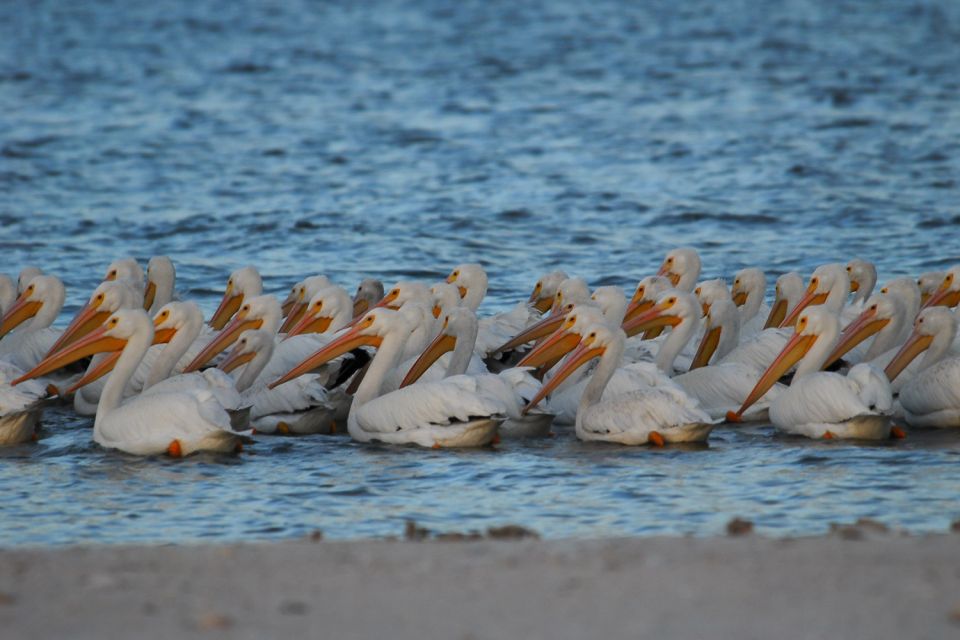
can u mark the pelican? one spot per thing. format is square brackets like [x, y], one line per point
[109, 296]
[243, 284]
[819, 404]
[709, 291]
[948, 293]
[471, 280]
[863, 278]
[928, 283]
[40, 304]
[932, 397]
[749, 288]
[29, 273]
[513, 387]
[682, 267]
[648, 415]
[161, 276]
[369, 292]
[829, 286]
[299, 406]
[452, 412]
[329, 310]
[257, 312]
[545, 289]
[177, 423]
[570, 292]
[787, 293]
[883, 318]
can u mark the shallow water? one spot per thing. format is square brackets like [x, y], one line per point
[396, 139]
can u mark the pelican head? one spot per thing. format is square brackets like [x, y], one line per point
[709, 291]
[369, 292]
[125, 269]
[242, 284]
[787, 293]
[459, 323]
[612, 302]
[928, 283]
[545, 290]
[721, 331]
[933, 331]
[161, 274]
[948, 293]
[248, 345]
[570, 290]
[863, 277]
[107, 298]
[645, 295]
[682, 267]
[446, 297]
[471, 281]
[881, 310]
[29, 273]
[329, 310]
[403, 292]
[829, 285]
[671, 308]
[42, 299]
[299, 297]
[565, 338]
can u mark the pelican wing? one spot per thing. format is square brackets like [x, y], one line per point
[932, 398]
[642, 411]
[495, 330]
[723, 387]
[831, 398]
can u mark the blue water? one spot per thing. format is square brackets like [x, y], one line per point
[396, 139]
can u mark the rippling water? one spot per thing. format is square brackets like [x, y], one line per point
[396, 139]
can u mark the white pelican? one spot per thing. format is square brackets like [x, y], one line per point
[948, 293]
[787, 293]
[127, 269]
[242, 284]
[931, 398]
[682, 267]
[29, 273]
[883, 319]
[299, 406]
[863, 278]
[545, 289]
[369, 292]
[329, 310]
[718, 388]
[177, 423]
[20, 406]
[648, 415]
[25, 327]
[928, 283]
[513, 387]
[471, 280]
[570, 292]
[819, 404]
[749, 288]
[829, 286]
[452, 412]
[161, 278]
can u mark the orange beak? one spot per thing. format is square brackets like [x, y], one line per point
[149, 295]
[236, 359]
[856, 332]
[636, 307]
[708, 345]
[94, 342]
[674, 278]
[294, 316]
[914, 346]
[160, 336]
[778, 312]
[310, 324]
[86, 320]
[653, 318]
[350, 340]
[360, 307]
[583, 354]
[224, 339]
[943, 297]
[792, 352]
[740, 298]
[811, 297]
[440, 345]
[228, 306]
[535, 331]
[550, 351]
[21, 311]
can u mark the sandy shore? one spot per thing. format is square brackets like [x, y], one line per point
[860, 585]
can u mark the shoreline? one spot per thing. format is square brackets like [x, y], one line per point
[858, 581]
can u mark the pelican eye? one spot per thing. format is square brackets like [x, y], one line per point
[163, 316]
[29, 290]
[456, 274]
[949, 278]
[99, 297]
[246, 308]
[873, 307]
[884, 290]
[593, 335]
[697, 291]
[318, 305]
[395, 292]
[113, 322]
[669, 260]
[672, 301]
[815, 281]
[113, 273]
[920, 321]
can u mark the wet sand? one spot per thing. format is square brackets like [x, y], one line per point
[858, 584]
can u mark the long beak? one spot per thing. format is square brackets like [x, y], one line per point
[650, 319]
[778, 312]
[809, 298]
[360, 307]
[160, 336]
[924, 296]
[551, 350]
[288, 302]
[94, 342]
[792, 352]
[236, 359]
[708, 345]
[86, 320]
[538, 330]
[296, 313]
[674, 278]
[854, 286]
[149, 295]
[914, 346]
[856, 332]
[440, 345]
[740, 298]
[310, 324]
[223, 340]
[21, 311]
[542, 304]
[583, 354]
[228, 306]
[350, 340]
[636, 307]
[943, 297]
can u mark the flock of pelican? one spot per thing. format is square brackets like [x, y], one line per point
[415, 364]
